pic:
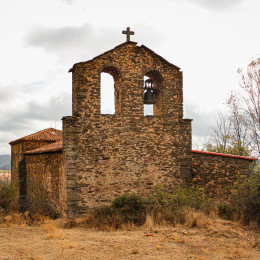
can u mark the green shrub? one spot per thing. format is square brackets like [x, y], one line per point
[131, 207]
[162, 206]
[243, 202]
[183, 205]
[104, 216]
[247, 199]
[8, 193]
[191, 197]
[159, 198]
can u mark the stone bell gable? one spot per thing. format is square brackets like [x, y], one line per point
[128, 64]
[107, 155]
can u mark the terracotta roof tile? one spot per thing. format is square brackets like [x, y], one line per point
[52, 135]
[48, 135]
[225, 155]
[50, 148]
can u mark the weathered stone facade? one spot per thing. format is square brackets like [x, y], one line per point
[45, 183]
[17, 155]
[101, 156]
[19, 148]
[108, 155]
[216, 172]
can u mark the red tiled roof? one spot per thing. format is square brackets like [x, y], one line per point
[48, 135]
[52, 135]
[50, 148]
[225, 155]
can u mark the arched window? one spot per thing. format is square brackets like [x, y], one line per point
[156, 87]
[110, 91]
[107, 92]
[148, 109]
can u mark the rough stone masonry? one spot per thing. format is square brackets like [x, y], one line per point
[107, 155]
[99, 156]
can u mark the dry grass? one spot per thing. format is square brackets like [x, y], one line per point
[51, 229]
[5, 176]
[198, 237]
[149, 222]
[15, 218]
[196, 219]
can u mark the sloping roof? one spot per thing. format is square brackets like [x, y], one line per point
[48, 135]
[130, 42]
[50, 148]
[55, 135]
[225, 155]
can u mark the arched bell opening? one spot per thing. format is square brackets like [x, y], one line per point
[148, 96]
[107, 96]
[152, 93]
[110, 92]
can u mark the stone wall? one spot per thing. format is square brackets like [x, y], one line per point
[45, 183]
[217, 172]
[108, 155]
[17, 150]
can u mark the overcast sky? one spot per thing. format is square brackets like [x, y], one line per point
[42, 39]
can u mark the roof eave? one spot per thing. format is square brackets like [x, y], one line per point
[224, 155]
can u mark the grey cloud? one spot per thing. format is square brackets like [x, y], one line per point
[7, 93]
[23, 122]
[216, 4]
[55, 109]
[32, 87]
[75, 43]
[201, 121]
[85, 42]
[68, 1]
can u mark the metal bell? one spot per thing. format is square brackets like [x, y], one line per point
[149, 97]
[149, 94]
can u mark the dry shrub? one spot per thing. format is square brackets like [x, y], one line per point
[53, 232]
[8, 194]
[41, 206]
[243, 203]
[69, 223]
[14, 218]
[130, 210]
[196, 219]
[49, 226]
[149, 222]
[256, 243]
[135, 252]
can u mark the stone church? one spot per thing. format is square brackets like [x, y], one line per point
[97, 157]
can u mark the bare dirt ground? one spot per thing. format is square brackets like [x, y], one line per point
[221, 240]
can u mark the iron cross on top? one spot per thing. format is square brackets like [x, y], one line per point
[128, 33]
